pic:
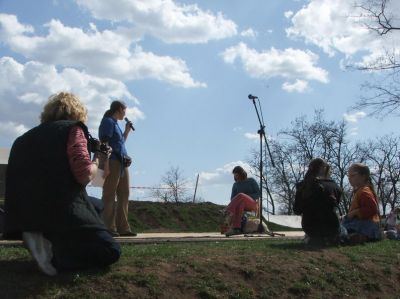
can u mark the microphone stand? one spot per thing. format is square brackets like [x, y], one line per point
[261, 132]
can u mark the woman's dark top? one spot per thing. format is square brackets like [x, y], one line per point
[248, 186]
[317, 201]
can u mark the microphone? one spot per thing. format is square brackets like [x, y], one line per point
[251, 97]
[130, 123]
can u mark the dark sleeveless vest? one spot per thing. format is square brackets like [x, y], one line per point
[41, 191]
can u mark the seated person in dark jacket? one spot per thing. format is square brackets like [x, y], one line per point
[317, 197]
[46, 203]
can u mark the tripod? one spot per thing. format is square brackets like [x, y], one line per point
[261, 133]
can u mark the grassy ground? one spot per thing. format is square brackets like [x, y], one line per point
[235, 269]
[274, 268]
[146, 216]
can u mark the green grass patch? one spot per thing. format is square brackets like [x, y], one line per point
[257, 268]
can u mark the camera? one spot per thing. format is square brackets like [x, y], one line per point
[94, 145]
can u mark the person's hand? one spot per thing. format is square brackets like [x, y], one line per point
[106, 150]
[128, 126]
[106, 172]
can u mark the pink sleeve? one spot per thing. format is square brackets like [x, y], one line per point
[78, 155]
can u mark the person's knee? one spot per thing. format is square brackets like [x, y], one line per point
[115, 253]
[111, 254]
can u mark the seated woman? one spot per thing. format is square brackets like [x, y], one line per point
[316, 199]
[245, 192]
[362, 220]
[46, 204]
[393, 224]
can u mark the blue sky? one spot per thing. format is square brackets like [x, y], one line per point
[185, 70]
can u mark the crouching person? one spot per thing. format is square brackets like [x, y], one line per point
[46, 204]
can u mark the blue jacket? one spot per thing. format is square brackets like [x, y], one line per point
[110, 132]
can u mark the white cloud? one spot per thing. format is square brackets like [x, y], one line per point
[10, 27]
[222, 175]
[252, 136]
[335, 26]
[249, 33]
[24, 88]
[288, 64]
[297, 86]
[353, 118]
[354, 131]
[164, 19]
[288, 14]
[101, 53]
[10, 130]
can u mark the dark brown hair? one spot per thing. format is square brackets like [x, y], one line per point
[115, 106]
[240, 171]
[314, 168]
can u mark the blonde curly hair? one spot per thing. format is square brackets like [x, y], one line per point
[63, 106]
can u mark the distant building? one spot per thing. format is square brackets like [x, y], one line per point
[4, 153]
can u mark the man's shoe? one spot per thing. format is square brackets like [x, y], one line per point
[114, 234]
[128, 234]
[40, 249]
[233, 231]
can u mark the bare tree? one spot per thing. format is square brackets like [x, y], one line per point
[161, 193]
[303, 141]
[383, 20]
[278, 182]
[382, 96]
[254, 162]
[174, 186]
[288, 171]
[384, 158]
[340, 154]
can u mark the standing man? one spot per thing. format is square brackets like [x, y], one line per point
[116, 185]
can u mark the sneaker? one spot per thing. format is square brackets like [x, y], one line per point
[40, 249]
[128, 234]
[233, 231]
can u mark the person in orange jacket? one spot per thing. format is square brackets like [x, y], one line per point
[362, 221]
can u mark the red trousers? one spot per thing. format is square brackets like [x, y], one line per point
[240, 203]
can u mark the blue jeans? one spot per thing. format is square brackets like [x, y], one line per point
[367, 228]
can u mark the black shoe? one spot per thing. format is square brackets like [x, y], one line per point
[128, 234]
[114, 234]
[233, 231]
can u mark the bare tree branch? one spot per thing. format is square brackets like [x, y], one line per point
[383, 97]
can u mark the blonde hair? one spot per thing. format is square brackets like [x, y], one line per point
[63, 106]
